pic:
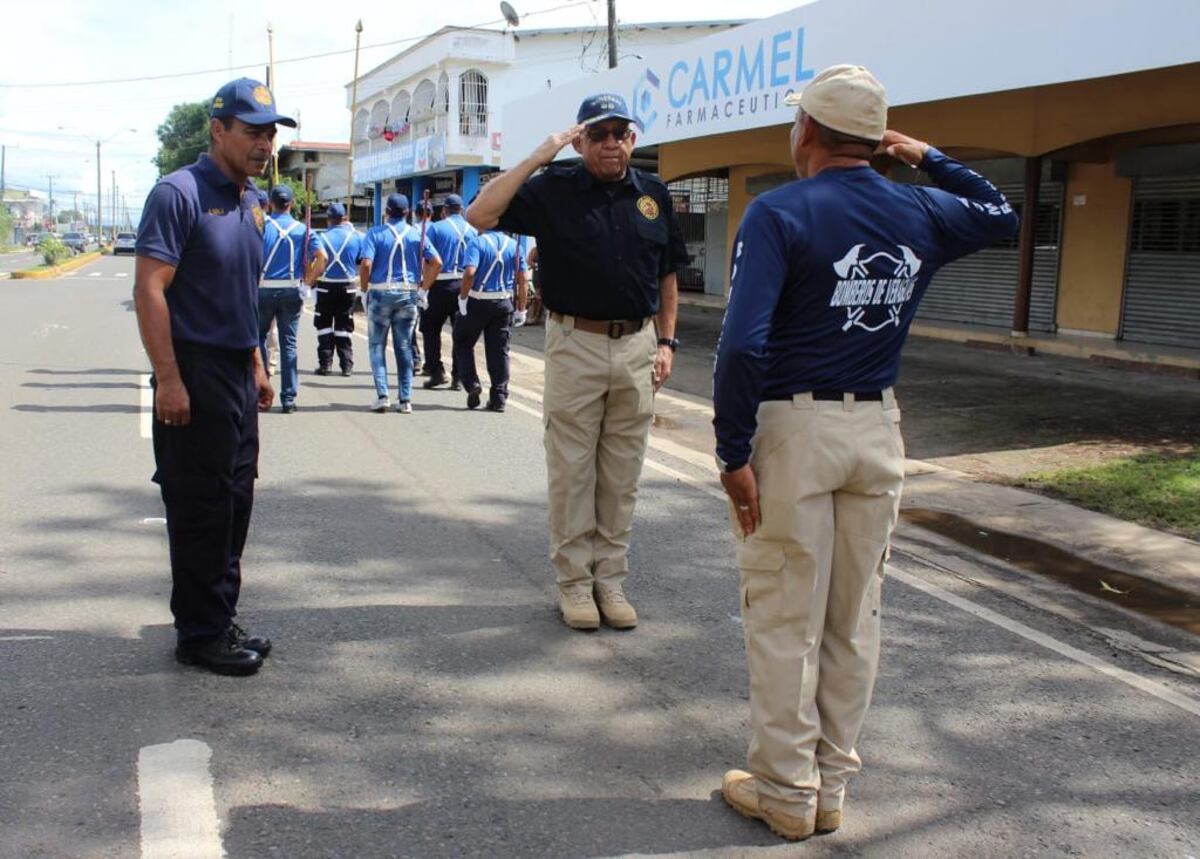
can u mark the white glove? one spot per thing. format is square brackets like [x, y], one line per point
[519, 317]
[423, 299]
[462, 305]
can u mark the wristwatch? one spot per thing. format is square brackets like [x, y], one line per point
[671, 343]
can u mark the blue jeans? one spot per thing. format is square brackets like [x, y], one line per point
[392, 310]
[282, 304]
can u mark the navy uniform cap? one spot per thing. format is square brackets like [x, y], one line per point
[281, 194]
[454, 201]
[248, 100]
[336, 210]
[397, 203]
[262, 197]
[602, 106]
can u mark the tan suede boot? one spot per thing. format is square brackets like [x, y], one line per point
[829, 820]
[740, 790]
[579, 610]
[615, 608]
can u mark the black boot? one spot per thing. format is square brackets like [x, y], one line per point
[220, 654]
[260, 644]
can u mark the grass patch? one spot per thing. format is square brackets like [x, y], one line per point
[1160, 489]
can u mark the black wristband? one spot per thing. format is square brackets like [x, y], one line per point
[671, 343]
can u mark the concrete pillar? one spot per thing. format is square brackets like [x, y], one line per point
[470, 184]
[378, 219]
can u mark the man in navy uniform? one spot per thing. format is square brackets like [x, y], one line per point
[493, 274]
[827, 274]
[609, 247]
[389, 273]
[199, 257]
[334, 317]
[286, 243]
[449, 237]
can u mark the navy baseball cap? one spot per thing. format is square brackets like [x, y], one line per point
[281, 194]
[602, 106]
[248, 100]
[397, 203]
[454, 201]
[336, 210]
[262, 197]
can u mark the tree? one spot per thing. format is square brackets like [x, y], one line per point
[69, 216]
[6, 233]
[183, 136]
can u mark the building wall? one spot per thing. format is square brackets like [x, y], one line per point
[1094, 243]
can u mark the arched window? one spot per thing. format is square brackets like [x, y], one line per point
[399, 119]
[379, 118]
[361, 120]
[472, 104]
[421, 116]
[441, 103]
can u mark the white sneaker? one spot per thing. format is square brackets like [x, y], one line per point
[404, 407]
[381, 404]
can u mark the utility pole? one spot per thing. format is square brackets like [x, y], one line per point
[3, 154]
[113, 222]
[99, 201]
[51, 177]
[353, 109]
[612, 34]
[271, 87]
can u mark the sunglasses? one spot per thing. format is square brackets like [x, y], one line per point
[599, 135]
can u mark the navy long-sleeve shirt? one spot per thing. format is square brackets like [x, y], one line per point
[827, 275]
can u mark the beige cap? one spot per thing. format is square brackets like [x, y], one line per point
[847, 99]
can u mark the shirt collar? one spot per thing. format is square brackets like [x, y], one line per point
[585, 181]
[208, 169]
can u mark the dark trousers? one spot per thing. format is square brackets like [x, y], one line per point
[492, 319]
[334, 320]
[443, 308]
[206, 471]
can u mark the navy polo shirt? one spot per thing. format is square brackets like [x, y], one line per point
[602, 246]
[827, 275]
[210, 229]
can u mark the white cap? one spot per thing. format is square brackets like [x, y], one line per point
[847, 99]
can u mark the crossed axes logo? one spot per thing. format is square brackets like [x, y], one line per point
[857, 266]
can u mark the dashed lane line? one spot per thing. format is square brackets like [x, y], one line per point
[178, 809]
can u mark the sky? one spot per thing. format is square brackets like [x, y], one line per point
[51, 115]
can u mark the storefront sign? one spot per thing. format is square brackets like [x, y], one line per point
[737, 79]
[398, 160]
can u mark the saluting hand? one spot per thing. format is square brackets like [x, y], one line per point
[904, 148]
[742, 488]
[550, 147]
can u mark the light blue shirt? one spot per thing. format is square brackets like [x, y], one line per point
[283, 248]
[394, 251]
[450, 237]
[342, 245]
[496, 260]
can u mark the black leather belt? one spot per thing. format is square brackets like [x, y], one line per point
[616, 329]
[836, 396]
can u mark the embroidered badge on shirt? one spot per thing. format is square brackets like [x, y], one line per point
[648, 207]
[258, 218]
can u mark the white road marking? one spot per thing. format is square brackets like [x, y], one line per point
[1142, 684]
[122, 274]
[26, 637]
[175, 792]
[94, 274]
[146, 414]
[154, 520]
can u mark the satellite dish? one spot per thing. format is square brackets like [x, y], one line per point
[510, 14]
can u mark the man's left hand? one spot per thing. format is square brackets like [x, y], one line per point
[266, 394]
[663, 362]
[742, 488]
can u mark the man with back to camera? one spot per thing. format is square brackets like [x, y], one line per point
[199, 257]
[286, 244]
[334, 313]
[827, 274]
[450, 237]
[608, 247]
[389, 273]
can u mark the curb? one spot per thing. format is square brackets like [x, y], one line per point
[50, 273]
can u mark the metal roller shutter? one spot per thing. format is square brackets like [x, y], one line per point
[1162, 279]
[980, 288]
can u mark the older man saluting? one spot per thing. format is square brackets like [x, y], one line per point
[609, 247]
[826, 280]
[199, 257]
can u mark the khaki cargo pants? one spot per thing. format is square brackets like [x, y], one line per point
[598, 405]
[829, 480]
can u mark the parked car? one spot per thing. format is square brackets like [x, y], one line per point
[75, 241]
[125, 243]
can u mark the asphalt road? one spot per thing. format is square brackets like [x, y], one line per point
[19, 260]
[424, 700]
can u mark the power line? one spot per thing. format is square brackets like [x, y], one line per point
[259, 65]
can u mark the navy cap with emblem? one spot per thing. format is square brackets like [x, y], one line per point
[281, 194]
[454, 201]
[336, 210]
[248, 100]
[602, 106]
[397, 203]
